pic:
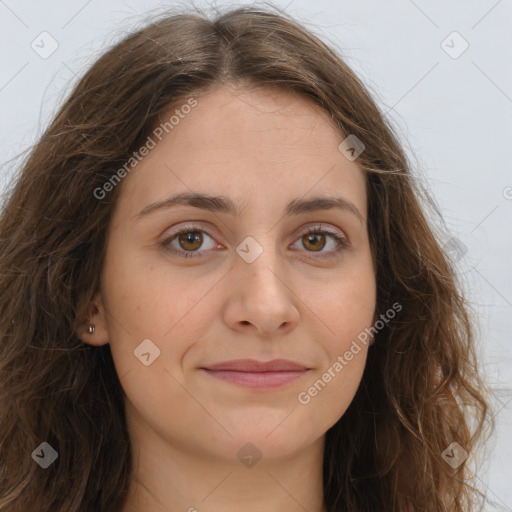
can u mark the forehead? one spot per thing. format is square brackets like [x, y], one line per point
[262, 145]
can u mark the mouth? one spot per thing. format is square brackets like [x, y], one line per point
[256, 374]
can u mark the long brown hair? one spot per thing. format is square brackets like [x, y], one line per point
[421, 390]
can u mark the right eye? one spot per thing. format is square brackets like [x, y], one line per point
[189, 240]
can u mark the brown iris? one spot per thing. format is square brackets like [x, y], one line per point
[312, 239]
[191, 237]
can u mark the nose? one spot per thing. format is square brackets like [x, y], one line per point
[261, 297]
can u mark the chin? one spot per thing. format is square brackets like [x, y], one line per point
[267, 440]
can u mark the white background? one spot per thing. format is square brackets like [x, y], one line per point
[454, 116]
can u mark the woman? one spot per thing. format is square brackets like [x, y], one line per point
[220, 290]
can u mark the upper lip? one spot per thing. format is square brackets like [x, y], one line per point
[251, 365]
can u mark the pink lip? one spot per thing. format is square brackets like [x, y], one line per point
[257, 374]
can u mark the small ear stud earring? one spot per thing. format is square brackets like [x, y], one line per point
[90, 329]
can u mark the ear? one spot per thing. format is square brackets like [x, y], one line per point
[95, 316]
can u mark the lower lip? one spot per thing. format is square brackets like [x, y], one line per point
[258, 380]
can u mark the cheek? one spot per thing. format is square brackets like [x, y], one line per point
[149, 297]
[346, 306]
[147, 301]
[347, 309]
[327, 396]
[159, 307]
[348, 312]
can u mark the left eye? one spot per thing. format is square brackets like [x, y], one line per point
[191, 238]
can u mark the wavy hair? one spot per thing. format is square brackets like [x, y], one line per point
[421, 389]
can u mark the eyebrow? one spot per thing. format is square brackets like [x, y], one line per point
[222, 204]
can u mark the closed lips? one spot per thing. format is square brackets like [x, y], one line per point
[258, 375]
[250, 365]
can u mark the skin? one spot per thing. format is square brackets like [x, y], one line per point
[262, 148]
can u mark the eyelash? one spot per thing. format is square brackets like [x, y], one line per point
[165, 243]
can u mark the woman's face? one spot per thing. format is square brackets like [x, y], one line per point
[241, 285]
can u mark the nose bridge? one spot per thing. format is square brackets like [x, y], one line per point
[263, 297]
[258, 261]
